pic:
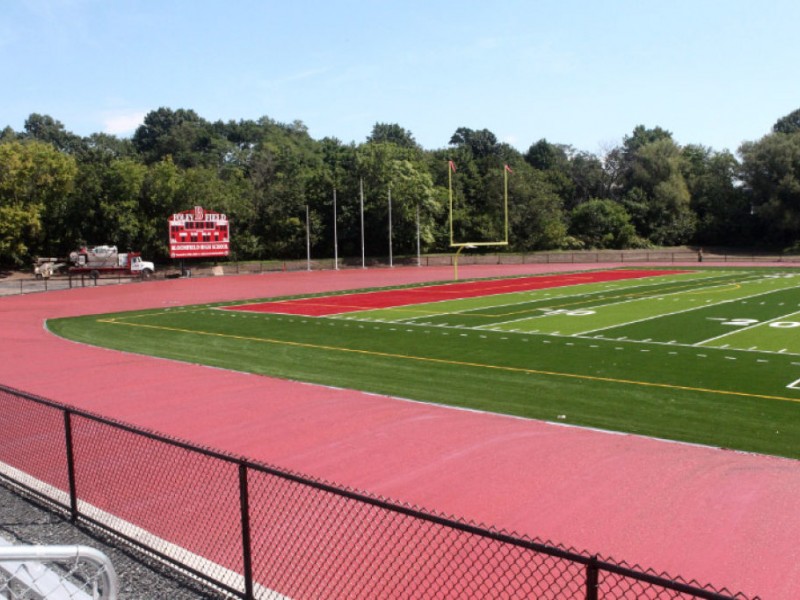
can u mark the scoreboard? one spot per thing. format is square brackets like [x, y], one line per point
[198, 233]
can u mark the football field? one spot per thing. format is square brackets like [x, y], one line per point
[708, 356]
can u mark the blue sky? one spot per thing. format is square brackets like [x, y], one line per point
[583, 73]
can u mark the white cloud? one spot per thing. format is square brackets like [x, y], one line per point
[121, 123]
[510, 139]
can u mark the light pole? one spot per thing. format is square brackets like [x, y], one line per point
[419, 247]
[390, 226]
[335, 234]
[361, 196]
[308, 241]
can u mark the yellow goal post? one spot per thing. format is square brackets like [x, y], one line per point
[451, 168]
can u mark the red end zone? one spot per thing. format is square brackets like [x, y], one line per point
[334, 305]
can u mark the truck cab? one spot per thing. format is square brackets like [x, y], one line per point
[143, 267]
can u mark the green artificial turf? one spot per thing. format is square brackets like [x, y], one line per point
[733, 398]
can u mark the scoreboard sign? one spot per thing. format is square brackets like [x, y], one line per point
[198, 233]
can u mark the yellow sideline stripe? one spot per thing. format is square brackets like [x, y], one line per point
[445, 361]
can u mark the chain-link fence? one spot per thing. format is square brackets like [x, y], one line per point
[56, 573]
[27, 285]
[256, 531]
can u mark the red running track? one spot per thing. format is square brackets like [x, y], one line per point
[717, 516]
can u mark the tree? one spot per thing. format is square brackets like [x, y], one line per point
[159, 198]
[102, 146]
[771, 176]
[642, 136]
[19, 228]
[413, 194]
[35, 180]
[392, 133]
[45, 128]
[574, 176]
[190, 140]
[7, 135]
[721, 206]
[375, 164]
[552, 160]
[655, 191]
[602, 224]
[535, 212]
[788, 124]
[280, 170]
[545, 156]
[588, 177]
[120, 215]
[480, 144]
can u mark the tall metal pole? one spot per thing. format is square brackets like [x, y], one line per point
[335, 234]
[450, 189]
[361, 195]
[419, 252]
[505, 198]
[390, 226]
[308, 241]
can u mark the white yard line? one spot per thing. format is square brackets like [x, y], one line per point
[678, 312]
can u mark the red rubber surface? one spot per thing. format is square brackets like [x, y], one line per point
[335, 305]
[717, 516]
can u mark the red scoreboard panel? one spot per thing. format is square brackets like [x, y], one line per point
[198, 233]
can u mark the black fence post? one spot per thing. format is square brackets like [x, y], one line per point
[591, 578]
[73, 494]
[247, 556]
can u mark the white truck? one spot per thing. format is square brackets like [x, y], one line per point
[96, 261]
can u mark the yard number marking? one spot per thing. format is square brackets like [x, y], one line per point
[750, 322]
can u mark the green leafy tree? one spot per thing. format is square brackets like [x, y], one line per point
[35, 180]
[280, 170]
[159, 198]
[535, 213]
[190, 140]
[392, 133]
[480, 143]
[788, 124]
[413, 195]
[120, 214]
[602, 224]
[231, 195]
[657, 197]
[552, 160]
[641, 136]
[102, 146]
[375, 164]
[588, 177]
[19, 225]
[44, 128]
[721, 206]
[478, 185]
[8, 135]
[771, 176]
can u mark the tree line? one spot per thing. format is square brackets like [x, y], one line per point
[59, 190]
